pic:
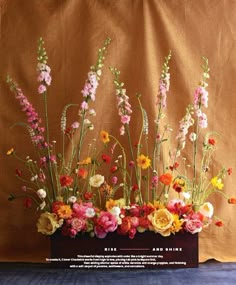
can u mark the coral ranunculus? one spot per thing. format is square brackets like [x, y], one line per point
[165, 178]
[48, 223]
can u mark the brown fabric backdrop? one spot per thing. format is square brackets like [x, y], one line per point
[142, 32]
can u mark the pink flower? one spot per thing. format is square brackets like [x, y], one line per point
[134, 221]
[81, 210]
[203, 121]
[132, 233]
[193, 226]
[75, 125]
[78, 224]
[104, 224]
[42, 88]
[154, 181]
[125, 119]
[193, 223]
[122, 130]
[84, 105]
[201, 97]
[114, 180]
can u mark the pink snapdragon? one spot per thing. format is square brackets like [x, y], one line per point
[90, 86]
[124, 108]
[164, 86]
[44, 77]
[203, 121]
[104, 224]
[201, 97]
[84, 105]
[186, 122]
[36, 132]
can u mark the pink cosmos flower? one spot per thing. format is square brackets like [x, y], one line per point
[104, 224]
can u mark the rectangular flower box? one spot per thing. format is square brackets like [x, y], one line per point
[146, 250]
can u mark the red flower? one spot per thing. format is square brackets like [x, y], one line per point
[82, 173]
[66, 180]
[135, 187]
[166, 178]
[144, 222]
[219, 223]
[175, 166]
[18, 173]
[232, 200]
[211, 141]
[56, 205]
[125, 226]
[229, 171]
[106, 158]
[27, 202]
[113, 169]
[88, 195]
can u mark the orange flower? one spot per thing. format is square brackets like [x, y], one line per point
[64, 212]
[10, 151]
[143, 161]
[232, 200]
[110, 204]
[82, 173]
[166, 178]
[104, 137]
[85, 161]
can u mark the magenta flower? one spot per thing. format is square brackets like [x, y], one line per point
[104, 224]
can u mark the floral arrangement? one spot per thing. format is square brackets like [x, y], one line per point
[116, 188]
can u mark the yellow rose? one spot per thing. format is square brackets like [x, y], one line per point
[48, 223]
[161, 221]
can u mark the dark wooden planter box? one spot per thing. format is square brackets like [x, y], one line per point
[146, 250]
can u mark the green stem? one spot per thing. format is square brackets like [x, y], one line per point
[48, 140]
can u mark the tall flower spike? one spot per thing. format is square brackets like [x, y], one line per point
[201, 95]
[35, 130]
[44, 70]
[122, 101]
[164, 83]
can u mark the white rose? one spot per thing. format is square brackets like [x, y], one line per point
[41, 193]
[96, 180]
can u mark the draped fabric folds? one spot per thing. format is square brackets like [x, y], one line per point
[142, 33]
